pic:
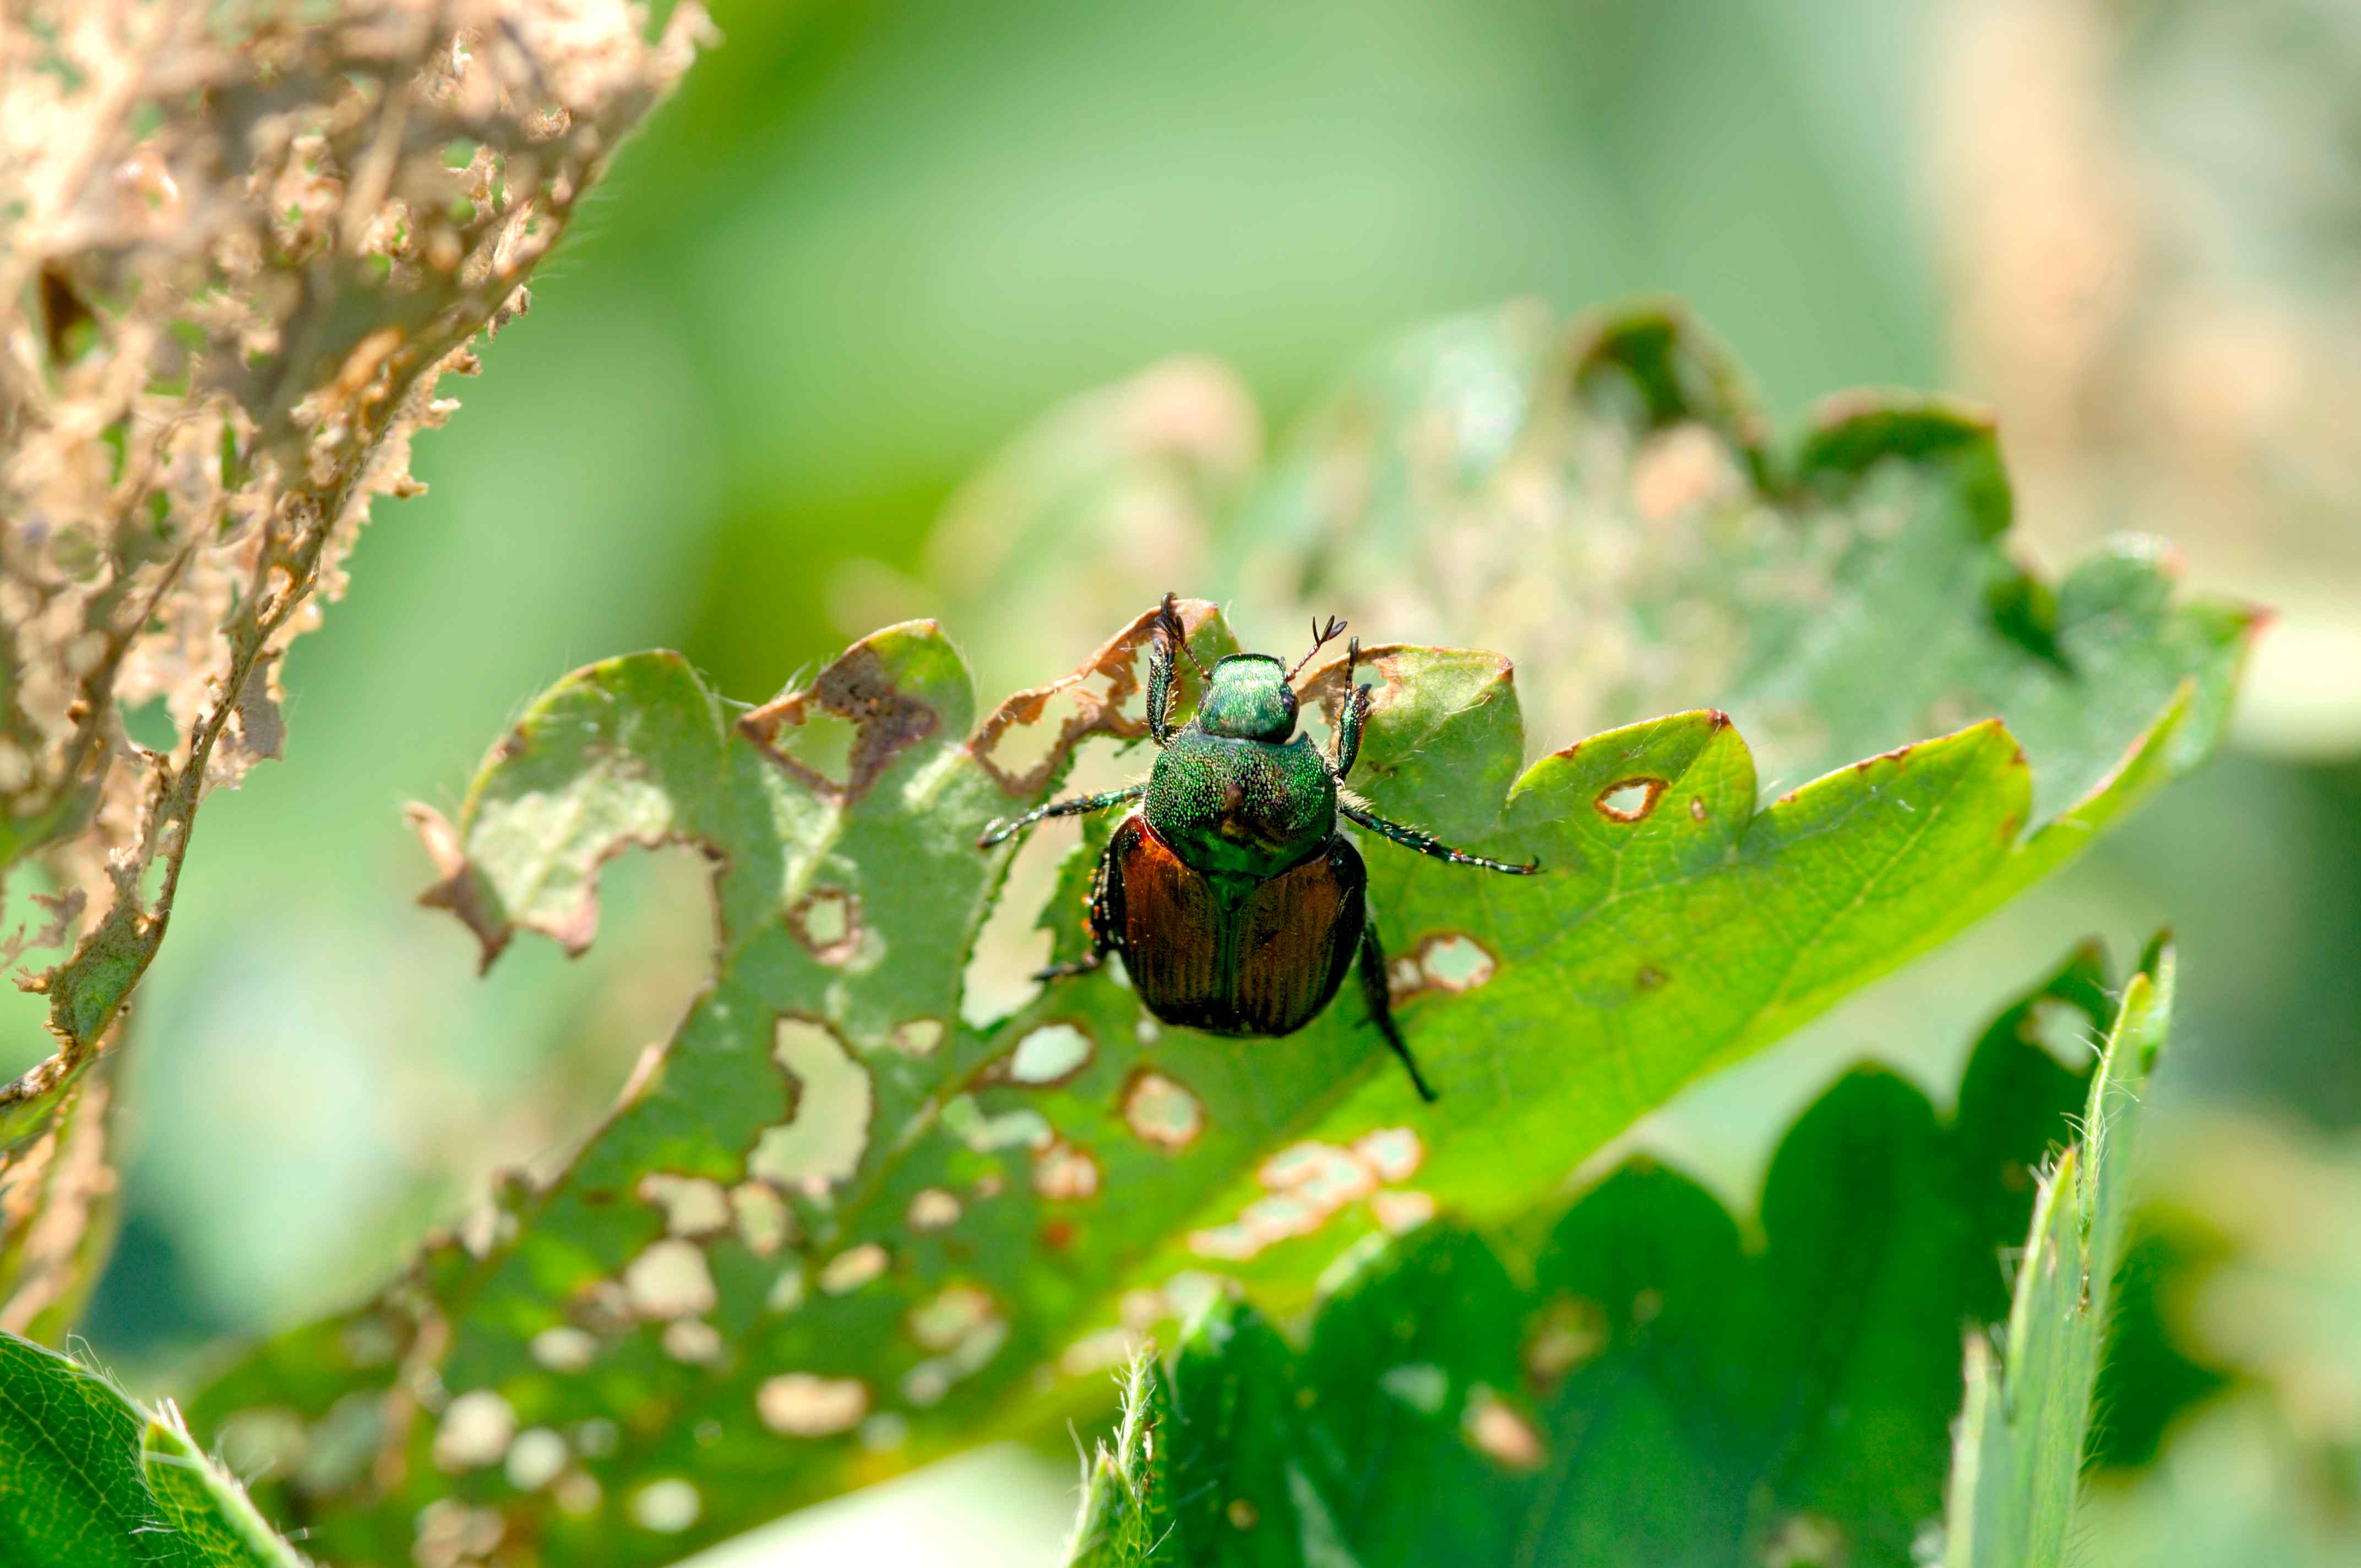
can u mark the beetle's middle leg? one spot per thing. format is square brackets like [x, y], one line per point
[1004, 827]
[1379, 996]
[1101, 918]
[1410, 838]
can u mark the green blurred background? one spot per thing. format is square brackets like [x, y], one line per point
[870, 243]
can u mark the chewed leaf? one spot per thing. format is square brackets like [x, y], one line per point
[843, 1221]
[624, 752]
[844, 1227]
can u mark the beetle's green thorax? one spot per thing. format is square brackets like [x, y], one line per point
[1248, 699]
[1235, 808]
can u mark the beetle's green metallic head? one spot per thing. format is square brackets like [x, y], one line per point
[1248, 699]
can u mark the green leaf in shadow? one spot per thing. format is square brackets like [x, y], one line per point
[2020, 1444]
[1659, 1386]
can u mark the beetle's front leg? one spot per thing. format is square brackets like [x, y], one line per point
[1102, 932]
[1379, 996]
[1001, 828]
[1350, 717]
[1163, 646]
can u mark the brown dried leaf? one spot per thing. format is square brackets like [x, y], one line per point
[237, 262]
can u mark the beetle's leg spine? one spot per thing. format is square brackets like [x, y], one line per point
[1170, 640]
[1427, 844]
[1379, 997]
[1001, 828]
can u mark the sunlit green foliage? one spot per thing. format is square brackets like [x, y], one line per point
[842, 1223]
[88, 1479]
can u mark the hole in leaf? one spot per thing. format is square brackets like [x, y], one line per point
[666, 1507]
[763, 1222]
[535, 1459]
[1319, 1174]
[564, 1348]
[694, 1341]
[692, 1205]
[475, 1431]
[950, 1316]
[855, 1266]
[669, 1280]
[451, 1532]
[1392, 1152]
[1020, 1128]
[1162, 1112]
[933, 1208]
[918, 1038]
[1399, 1213]
[827, 921]
[1049, 1054]
[1063, 1173]
[832, 1099]
[1629, 800]
[1454, 962]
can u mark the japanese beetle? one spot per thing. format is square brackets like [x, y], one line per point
[1234, 901]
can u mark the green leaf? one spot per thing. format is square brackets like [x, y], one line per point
[2020, 1444]
[91, 1480]
[1663, 1391]
[837, 1226]
[1601, 496]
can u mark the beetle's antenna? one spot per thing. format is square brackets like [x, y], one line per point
[1321, 637]
[1173, 635]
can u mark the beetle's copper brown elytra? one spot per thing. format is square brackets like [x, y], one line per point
[1267, 967]
[1236, 904]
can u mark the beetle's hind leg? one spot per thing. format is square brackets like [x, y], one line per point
[1428, 844]
[1001, 828]
[1101, 919]
[1379, 996]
